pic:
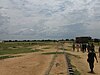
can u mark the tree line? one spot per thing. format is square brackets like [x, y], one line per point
[48, 40]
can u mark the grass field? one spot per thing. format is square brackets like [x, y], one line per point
[20, 47]
[14, 48]
[33, 58]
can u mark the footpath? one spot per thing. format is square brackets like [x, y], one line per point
[79, 60]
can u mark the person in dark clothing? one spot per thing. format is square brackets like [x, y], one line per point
[73, 46]
[92, 47]
[88, 47]
[91, 56]
[99, 51]
[84, 47]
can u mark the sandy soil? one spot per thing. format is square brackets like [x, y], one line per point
[37, 63]
[80, 61]
[28, 64]
[59, 67]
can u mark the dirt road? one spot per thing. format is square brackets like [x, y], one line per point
[29, 64]
[33, 63]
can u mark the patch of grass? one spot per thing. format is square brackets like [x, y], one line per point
[68, 49]
[37, 50]
[70, 46]
[73, 66]
[73, 55]
[62, 49]
[46, 48]
[53, 53]
[15, 51]
[21, 47]
[5, 57]
[76, 72]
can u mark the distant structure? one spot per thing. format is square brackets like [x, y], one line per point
[83, 39]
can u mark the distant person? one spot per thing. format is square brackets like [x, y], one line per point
[88, 47]
[73, 46]
[92, 47]
[84, 47]
[99, 51]
[77, 47]
[91, 56]
[81, 46]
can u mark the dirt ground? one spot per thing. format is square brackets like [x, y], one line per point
[37, 63]
[33, 63]
[79, 60]
[59, 67]
[28, 64]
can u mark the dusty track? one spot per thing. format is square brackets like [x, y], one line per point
[33, 63]
[79, 60]
[30, 64]
[37, 63]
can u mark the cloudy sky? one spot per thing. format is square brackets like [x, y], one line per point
[49, 19]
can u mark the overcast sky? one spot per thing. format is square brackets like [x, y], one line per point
[49, 19]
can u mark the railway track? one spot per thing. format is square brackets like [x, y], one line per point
[68, 64]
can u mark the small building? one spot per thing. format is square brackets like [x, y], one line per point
[83, 39]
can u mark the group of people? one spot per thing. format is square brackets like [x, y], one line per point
[83, 47]
[91, 53]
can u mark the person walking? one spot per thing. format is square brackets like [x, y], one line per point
[73, 46]
[99, 51]
[91, 56]
[88, 47]
[77, 47]
[84, 47]
[92, 47]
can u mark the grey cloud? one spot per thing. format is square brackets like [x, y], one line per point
[78, 16]
[77, 28]
[1, 7]
[48, 19]
[67, 31]
[3, 20]
[97, 18]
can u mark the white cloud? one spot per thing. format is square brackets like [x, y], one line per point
[49, 18]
